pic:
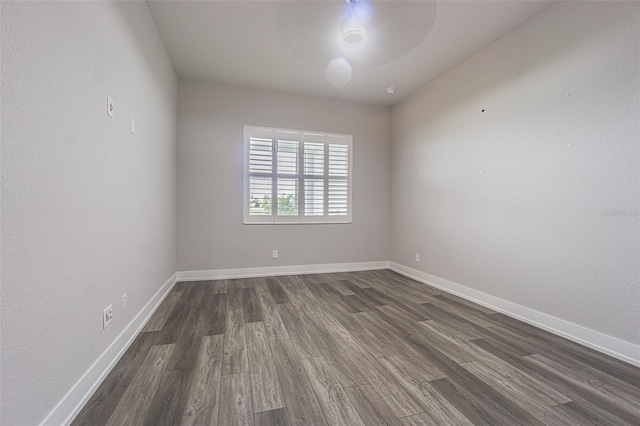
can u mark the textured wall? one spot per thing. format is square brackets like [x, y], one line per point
[210, 230]
[88, 209]
[535, 200]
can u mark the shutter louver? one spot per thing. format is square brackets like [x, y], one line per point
[314, 197]
[314, 158]
[260, 155]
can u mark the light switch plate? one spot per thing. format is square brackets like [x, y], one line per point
[132, 125]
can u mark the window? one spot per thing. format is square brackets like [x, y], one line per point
[308, 174]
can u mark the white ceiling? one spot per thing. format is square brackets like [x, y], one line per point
[287, 45]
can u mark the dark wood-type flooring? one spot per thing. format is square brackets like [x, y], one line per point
[356, 348]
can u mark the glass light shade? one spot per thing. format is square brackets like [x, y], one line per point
[352, 33]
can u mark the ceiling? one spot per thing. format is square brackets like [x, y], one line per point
[294, 46]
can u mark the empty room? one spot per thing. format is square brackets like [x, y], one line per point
[359, 212]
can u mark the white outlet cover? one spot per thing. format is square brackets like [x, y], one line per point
[110, 107]
[107, 316]
[417, 257]
[275, 254]
[124, 302]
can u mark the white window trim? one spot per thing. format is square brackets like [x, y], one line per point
[301, 219]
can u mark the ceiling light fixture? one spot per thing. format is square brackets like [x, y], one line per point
[353, 34]
[352, 31]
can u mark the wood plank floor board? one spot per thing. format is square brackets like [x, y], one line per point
[356, 280]
[402, 317]
[234, 295]
[369, 296]
[472, 316]
[454, 349]
[454, 333]
[624, 398]
[235, 400]
[272, 321]
[160, 316]
[386, 333]
[102, 403]
[279, 417]
[412, 371]
[556, 347]
[444, 317]
[373, 410]
[370, 347]
[583, 413]
[495, 371]
[220, 286]
[339, 286]
[524, 395]
[331, 396]
[474, 398]
[277, 292]
[302, 340]
[265, 385]
[203, 399]
[136, 401]
[465, 304]
[437, 407]
[250, 305]
[211, 320]
[478, 408]
[170, 400]
[366, 339]
[235, 359]
[400, 282]
[182, 315]
[354, 304]
[300, 400]
[593, 402]
[400, 402]
[346, 368]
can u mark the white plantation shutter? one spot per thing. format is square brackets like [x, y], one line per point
[296, 176]
[259, 188]
[338, 184]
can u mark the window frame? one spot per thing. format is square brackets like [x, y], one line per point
[301, 218]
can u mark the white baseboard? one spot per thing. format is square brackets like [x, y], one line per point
[600, 342]
[71, 404]
[268, 271]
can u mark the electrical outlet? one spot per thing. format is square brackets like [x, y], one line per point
[124, 302]
[275, 254]
[418, 257]
[107, 316]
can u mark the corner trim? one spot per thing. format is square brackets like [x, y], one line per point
[71, 404]
[617, 348]
[267, 271]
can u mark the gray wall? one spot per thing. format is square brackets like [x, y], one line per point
[88, 209]
[210, 230]
[535, 200]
